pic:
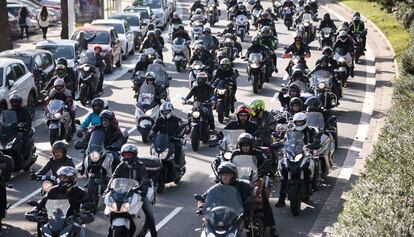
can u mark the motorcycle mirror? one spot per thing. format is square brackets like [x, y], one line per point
[77, 121]
[198, 197]
[10, 186]
[33, 203]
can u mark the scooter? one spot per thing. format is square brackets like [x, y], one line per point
[242, 26]
[58, 121]
[87, 83]
[146, 111]
[181, 53]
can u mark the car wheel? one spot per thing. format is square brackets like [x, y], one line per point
[111, 65]
[31, 104]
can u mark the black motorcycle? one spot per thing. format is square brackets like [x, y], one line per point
[87, 83]
[40, 79]
[256, 71]
[200, 129]
[163, 148]
[10, 145]
[224, 99]
[326, 37]
[359, 49]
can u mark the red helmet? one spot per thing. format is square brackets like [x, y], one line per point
[243, 109]
[97, 47]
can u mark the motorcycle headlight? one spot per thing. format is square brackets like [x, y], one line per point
[298, 157]
[10, 144]
[196, 114]
[211, 8]
[86, 68]
[221, 91]
[341, 60]
[163, 154]
[321, 85]
[306, 24]
[255, 65]
[125, 207]
[95, 156]
[227, 155]
[57, 115]
[46, 185]
[296, 61]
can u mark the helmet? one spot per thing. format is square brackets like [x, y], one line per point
[301, 2]
[356, 14]
[97, 47]
[345, 24]
[60, 70]
[313, 103]
[295, 101]
[175, 14]
[243, 109]
[150, 76]
[228, 168]
[307, 8]
[97, 105]
[245, 139]
[356, 18]
[207, 30]
[327, 51]
[269, 10]
[166, 110]
[59, 85]
[144, 57]
[62, 61]
[70, 177]
[151, 26]
[157, 32]
[257, 105]
[294, 87]
[323, 61]
[151, 33]
[129, 153]
[225, 64]
[242, 7]
[297, 36]
[343, 36]
[255, 40]
[16, 101]
[201, 78]
[264, 14]
[326, 17]
[107, 117]
[300, 121]
[265, 30]
[198, 11]
[158, 61]
[297, 73]
[59, 145]
[230, 25]
[198, 48]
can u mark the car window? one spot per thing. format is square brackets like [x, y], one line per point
[59, 51]
[47, 60]
[114, 35]
[38, 62]
[119, 28]
[18, 70]
[126, 26]
[98, 37]
[10, 74]
[150, 3]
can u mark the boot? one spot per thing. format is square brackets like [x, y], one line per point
[273, 232]
[281, 202]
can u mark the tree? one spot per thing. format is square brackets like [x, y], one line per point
[5, 42]
[64, 34]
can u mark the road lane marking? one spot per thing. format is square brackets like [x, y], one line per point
[166, 219]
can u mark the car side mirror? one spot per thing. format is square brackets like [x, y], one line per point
[11, 83]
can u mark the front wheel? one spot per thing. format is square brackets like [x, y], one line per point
[161, 184]
[53, 135]
[83, 94]
[220, 111]
[294, 198]
[255, 84]
[178, 66]
[120, 231]
[119, 63]
[195, 138]
[93, 193]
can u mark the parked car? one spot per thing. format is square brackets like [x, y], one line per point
[107, 38]
[160, 8]
[55, 4]
[14, 10]
[36, 6]
[15, 78]
[125, 34]
[14, 26]
[145, 14]
[39, 62]
[135, 24]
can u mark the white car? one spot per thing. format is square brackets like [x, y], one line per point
[161, 10]
[16, 79]
[62, 48]
[125, 33]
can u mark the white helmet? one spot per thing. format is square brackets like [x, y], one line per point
[300, 121]
[166, 110]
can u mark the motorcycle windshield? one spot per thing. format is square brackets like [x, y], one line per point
[241, 18]
[151, 52]
[160, 74]
[179, 41]
[341, 51]
[146, 96]
[120, 188]
[315, 119]
[294, 143]
[55, 105]
[56, 213]
[222, 206]
[8, 125]
[307, 17]
[326, 30]
[320, 76]
[246, 167]
[161, 142]
[255, 57]
[96, 141]
[197, 65]
[88, 58]
[230, 138]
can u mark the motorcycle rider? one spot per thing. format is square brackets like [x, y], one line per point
[295, 106]
[99, 66]
[203, 92]
[132, 168]
[210, 42]
[243, 115]
[298, 48]
[264, 20]
[151, 41]
[264, 120]
[196, 5]
[293, 91]
[357, 27]
[311, 139]
[245, 144]
[6, 168]
[242, 10]
[289, 4]
[61, 72]
[232, 31]
[142, 63]
[271, 42]
[160, 93]
[345, 42]
[327, 22]
[257, 47]
[72, 81]
[198, 16]
[226, 71]
[159, 37]
[307, 10]
[203, 55]
[176, 20]
[58, 159]
[257, 5]
[328, 51]
[93, 118]
[181, 33]
[169, 123]
[323, 63]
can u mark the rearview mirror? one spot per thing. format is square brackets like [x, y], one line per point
[11, 83]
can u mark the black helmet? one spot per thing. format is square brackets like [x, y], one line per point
[59, 145]
[97, 105]
[107, 117]
[242, 7]
[228, 168]
[151, 33]
[63, 61]
[157, 32]
[151, 26]
[221, 55]
[323, 61]
[230, 25]
[71, 177]
[245, 139]
[256, 40]
[294, 87]
[297, 73]
[307, 8]
[313, 103]
[326, 17]
[207, 30]
[265, 30]
[295, 101]
[129, 153]
[16, 101]
[327, 51]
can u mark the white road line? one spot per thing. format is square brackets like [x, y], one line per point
[166, 219]
[274, 98]
[131, 130]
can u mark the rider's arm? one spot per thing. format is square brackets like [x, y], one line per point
[192, 92]
[87, 121]
[44, 169]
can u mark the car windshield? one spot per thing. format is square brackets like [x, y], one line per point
[150, 3]
[144, 15]
[118, 27]
[27, 60]
[59, 51]
[1, 76]
[132, 20]
[14, 10]
[98, 37]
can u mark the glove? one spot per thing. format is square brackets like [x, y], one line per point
[33, 177]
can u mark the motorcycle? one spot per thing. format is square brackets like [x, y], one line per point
[9, 145]
[345, 65]
[300, 167]
[163, 148]
[200, 129]
[146, 111]
[222, 210]
[359, 49]
[242, 26]
[54, 220]
[212, 13]
[181, 53]
[288, 17]
[313, 5]
[229, 48]
[40, 79]
[87, 84]
[197, 29]
[195, 68]
[256, 71]
[296, 62]
[307, 29]
[58, 121]
[124, 208]
[224, 99]
[277, 8]
[326, 35]
[321, 85]
[255, 16]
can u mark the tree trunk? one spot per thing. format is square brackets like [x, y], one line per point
[5, 42]
[64, 34]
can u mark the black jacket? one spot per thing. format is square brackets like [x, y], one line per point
[197, 5]
[265, 22]
[348, 45]
[205, 57]
[267, 125]
[329, 24]
[270, 41]
[311, 137]
[221, 74]
[113, 137]
[249, 127]
[155, 44]
[23, 116]
[137, 172]
[168, 126]
[6, 168]
[53, 165]
[302, 50]
[76, 197]
[258, 49]
[244, 188]
[201, 93]
[181, 34]
[141, 66]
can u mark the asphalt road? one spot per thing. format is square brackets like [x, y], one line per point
[175, 208]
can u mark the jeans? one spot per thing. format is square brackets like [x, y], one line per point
[22, 29]
[44, 30]
[146, 207]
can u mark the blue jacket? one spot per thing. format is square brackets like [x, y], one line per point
[92, 119]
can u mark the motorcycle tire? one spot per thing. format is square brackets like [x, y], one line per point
[145, 138]
[255, 84]
[220, 111]
[195, 139]
[211, 21]
[178, 67]
[294, 198]
[83, 94]
[53, 135]
[120, 231]
[161, 184]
